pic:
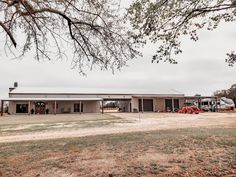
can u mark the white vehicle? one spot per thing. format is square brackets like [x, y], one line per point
[224, 103]
[207, 104]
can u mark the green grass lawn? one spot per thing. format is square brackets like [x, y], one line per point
[181, 152]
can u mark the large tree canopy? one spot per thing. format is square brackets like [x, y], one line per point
[89, 30]
[165, 21]
[228, 93]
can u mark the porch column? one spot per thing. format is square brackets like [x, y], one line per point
[55, 107]
[29, 112]
[153, 105]
[102, 107]
[80, 106]
[142, 104]
[217, 110]
[173, 105]
[2, 107]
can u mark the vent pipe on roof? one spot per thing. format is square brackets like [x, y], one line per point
[15, 84]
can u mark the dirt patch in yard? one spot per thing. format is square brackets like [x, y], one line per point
[18, 128]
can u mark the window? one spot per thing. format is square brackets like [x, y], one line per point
[77, 107]
[205, 103]
[21, 108]
[169, 104]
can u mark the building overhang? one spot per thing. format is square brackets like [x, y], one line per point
[52, 99]
[200, 97]
[158, 96]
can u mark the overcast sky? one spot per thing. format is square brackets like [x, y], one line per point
[201, 69]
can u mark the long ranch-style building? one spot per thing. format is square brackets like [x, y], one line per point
[23, 100]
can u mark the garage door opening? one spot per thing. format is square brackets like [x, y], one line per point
[116, 106]
[147, 105]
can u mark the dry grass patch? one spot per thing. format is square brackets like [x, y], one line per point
[32, 124]
[182, 152]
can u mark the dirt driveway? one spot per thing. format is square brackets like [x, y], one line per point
[27, 128]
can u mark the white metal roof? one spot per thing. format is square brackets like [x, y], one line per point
[93, 91]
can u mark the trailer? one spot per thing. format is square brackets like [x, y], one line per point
[212, 105]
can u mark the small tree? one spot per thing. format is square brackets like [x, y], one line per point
[91, 31]
[165, 21]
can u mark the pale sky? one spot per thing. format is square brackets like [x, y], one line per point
[201, 69]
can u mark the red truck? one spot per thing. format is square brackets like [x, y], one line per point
[190, 110]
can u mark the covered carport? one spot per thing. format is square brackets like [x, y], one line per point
[122, 105]
[198, 100]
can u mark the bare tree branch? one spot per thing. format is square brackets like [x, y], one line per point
[92, 31]
[164, 22]
[8, 33]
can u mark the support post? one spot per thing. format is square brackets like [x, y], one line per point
[153, 105]
[80, 106]
[29, 108]
[219, 108]
[142, 105]
[216, 108]
[102, 107]
[55, 107]
[130, 107]
[2, 103]
[200, 103]
[173, 105]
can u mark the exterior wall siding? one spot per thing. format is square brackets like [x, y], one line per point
[159, 104]
[11, 109]
[12, 106]
[134, 104]
[90, 106]
[181, 102]
[62, 106]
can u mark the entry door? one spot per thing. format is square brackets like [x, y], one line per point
[77, 107]
[168, 103]
[40, 108]
[147, 104]
[176, 103]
